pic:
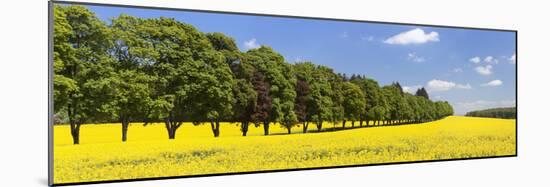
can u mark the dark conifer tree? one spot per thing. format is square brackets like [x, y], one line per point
[422, 93]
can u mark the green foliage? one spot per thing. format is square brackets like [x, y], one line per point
[354, 101]
[82, 67]
[374, 103]
[422, 92]
[337, 96]
[226, 45]
[393, 99]
[281, 79]
[319, 101]
[160, 69]
[505, 113]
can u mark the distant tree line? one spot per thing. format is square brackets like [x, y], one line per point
[505, 113]
[163, 70]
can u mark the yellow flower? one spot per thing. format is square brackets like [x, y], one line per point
[148, 152]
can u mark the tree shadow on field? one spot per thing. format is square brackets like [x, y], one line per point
[340, 128]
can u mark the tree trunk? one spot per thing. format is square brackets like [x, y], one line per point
[360, 123]
[288, 129]
[266, 128]
[344, 124]
[125, 124]
[215, 127]
[75, 132]
[171, 127]
[367, 124]
[244, 127]
[75, 126]
[319, 126]
[305, 124]
[171, 135]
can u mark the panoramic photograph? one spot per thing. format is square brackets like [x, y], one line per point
[143, 93]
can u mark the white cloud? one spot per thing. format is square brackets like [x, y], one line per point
[251, 44]
[411, 89]
[436, 85]
[493, 83]
[463, 86]
[484, 70]
[415, 58]
[439, 85]
[415, 36]
[475, 60]
[462, 107]
[512, 59]
[457, 70]
[490, 60]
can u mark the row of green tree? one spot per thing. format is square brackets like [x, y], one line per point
[163, 70]
[505, 113]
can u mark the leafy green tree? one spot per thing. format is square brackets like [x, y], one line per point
[422, 92]
[318, 101]
[393, 98]
[262, 110]
[505, 113]
[354, 103]
[301, 103]
[304, 100]
[443, 109]
[244, 104]
[192, 78]
[371, 91]
[227, 46]
[160, 69]
[321, 103]
[337, 97]
[281, 79]
[398, 86]
[426, 112]
[380, 113]
[415, 108]
[131, 97]
[81, 64]
[245, 97]
[408, 108]
[431, 112]
[64, 59]
[215, 98]
[131, 83]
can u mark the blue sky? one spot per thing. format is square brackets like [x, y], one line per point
[472, 69]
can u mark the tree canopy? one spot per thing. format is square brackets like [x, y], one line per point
[505, 113]
[163, 70]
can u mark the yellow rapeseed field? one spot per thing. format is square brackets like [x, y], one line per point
[148, 152]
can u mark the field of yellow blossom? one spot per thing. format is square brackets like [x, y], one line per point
[148, 152]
